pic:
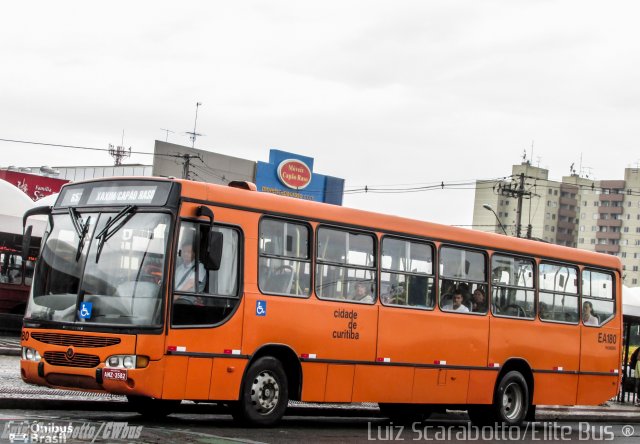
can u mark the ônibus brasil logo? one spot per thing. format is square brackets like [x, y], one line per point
[294, 173]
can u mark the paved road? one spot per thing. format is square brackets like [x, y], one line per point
[113, 427]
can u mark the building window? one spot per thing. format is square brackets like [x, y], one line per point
[593, 241]
[581, 227]
[623, 254]
[581, 240]
[625, 229]
[553, 217]
[634, 281]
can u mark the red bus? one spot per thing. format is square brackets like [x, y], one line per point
[166, 290]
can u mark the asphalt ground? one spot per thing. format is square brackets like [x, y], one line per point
[15, 394]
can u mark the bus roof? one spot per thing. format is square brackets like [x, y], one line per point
[273, 204]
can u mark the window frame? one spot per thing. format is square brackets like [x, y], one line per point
[375, 269]
[239, 279]
[434, 274]
[612, 300]
[484, 252]
[576, 266]
[310, 260]
[534, 288]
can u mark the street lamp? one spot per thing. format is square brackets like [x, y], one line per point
[488, 207]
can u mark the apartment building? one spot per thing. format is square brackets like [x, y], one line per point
[595, 215]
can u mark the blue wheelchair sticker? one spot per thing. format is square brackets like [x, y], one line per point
[261, 308]
[85, 310]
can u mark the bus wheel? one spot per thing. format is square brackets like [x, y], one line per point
[511, 400]
[152, 408]
[405, 413]
[264, 396]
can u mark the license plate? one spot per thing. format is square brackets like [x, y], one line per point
[114, 373]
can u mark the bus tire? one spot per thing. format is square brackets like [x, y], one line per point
[405, 413]
[152, 408]
[511, 399]
[264, 395]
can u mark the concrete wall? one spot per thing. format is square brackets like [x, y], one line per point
[213, 168]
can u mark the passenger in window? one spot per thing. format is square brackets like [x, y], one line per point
[362, 294]
[185, 275]
[588, 316]
[544, 310]
[479, 301]
[456, 303]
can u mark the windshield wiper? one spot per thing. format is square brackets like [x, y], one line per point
[106, 233]
[81, 227]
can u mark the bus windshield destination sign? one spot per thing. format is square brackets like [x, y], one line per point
[128, 195]
[131, 193]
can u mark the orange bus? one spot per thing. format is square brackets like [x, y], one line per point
[166, 290]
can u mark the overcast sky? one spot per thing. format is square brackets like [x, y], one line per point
[380, 93]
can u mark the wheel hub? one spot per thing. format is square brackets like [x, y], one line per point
[265, 392]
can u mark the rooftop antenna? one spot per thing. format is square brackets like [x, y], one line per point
[193, 134]
[167, 131]
[531, 150]
[119, 152]
[572, 170]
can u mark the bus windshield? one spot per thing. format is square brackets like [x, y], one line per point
[93, 270]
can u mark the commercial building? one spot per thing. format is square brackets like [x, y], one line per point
[595, 215]
[285, 173]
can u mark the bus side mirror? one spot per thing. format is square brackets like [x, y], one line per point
[212, 256]
[26, 243]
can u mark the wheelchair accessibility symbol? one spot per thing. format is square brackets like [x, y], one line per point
[85, 310]
[261, 308]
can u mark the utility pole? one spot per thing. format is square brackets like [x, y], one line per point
[186, 166]
[518, 192]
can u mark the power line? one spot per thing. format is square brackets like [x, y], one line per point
[88, 148]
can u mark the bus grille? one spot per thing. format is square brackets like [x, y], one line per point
[78, 360]
[75, 340]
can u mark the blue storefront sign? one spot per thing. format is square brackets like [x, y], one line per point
[292, 175]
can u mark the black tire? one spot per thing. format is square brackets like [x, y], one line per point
[264, 395]
[152, 408]
[511, 399]
[405, 413]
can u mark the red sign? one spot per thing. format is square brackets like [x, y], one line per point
[34, 186]
[294, 174]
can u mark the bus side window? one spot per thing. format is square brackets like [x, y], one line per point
[513, 287]
[284, 264]
[597, 298]
[463, 281]
[407, 273]
[558, 297]
[346, 266]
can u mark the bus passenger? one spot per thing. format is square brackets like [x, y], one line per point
[479, 301]
[588, 316]
[185, 275]
[362, 293]
[456, 303]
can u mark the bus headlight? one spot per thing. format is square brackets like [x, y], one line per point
[127, 361]
[30, 354]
